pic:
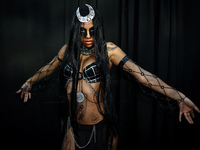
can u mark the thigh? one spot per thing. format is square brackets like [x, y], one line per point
[113, 143]
[68, 141]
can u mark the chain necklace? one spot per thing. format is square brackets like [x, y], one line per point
[86, 51]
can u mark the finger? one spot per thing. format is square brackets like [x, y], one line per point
[26, 97]
[29, 94]
[180, 115]
[22, 95]
[188, 118]
[196, 108]
[18, 91]
[192, 112]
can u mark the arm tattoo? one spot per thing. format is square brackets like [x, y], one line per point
[111, 48]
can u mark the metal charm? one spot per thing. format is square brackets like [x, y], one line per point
[80, 97]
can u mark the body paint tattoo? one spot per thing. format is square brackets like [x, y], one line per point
[111, 48]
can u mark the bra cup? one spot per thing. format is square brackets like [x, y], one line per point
[90, 73]
[68, 71]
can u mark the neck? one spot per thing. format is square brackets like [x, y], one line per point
[87, 51]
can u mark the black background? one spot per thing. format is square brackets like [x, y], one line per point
[162, 36]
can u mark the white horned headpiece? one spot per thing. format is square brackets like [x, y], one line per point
[87, 18]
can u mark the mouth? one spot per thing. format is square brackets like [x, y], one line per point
[89, 42]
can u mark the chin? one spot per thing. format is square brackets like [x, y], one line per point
[89, 46]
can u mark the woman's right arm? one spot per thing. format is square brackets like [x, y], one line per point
[42, 73]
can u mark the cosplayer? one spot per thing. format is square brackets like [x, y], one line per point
[84, 65]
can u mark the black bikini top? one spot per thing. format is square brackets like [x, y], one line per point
[90, 73]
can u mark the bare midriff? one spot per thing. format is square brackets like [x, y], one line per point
[87, 112]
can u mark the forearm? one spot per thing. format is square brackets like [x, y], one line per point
[152, 81]
[44, 72]
[156, 84]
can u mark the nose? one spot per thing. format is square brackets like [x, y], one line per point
[88, 34]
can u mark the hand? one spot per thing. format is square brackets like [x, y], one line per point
[187, 108]
[25, 92]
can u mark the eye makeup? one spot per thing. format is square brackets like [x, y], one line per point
[83, 32]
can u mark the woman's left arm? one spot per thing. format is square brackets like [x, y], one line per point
[118, 57]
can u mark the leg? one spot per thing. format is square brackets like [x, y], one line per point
[68, 142]
[115, 142]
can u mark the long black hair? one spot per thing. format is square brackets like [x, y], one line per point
[72, 57]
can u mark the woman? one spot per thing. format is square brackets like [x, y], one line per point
[84, 75]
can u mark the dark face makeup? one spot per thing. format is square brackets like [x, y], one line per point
[87, 34]
[83, 32]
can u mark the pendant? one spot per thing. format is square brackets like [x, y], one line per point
[80, 97]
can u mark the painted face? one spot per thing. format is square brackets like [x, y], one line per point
[87, 34]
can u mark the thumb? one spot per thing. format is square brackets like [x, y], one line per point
[18, 91]
[197, 109]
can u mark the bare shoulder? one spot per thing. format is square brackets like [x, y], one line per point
[111, 46]
[115, 53]
[62, 52]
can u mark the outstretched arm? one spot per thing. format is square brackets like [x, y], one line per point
[118, 57]
[42, 73]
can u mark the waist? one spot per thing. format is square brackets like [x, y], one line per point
[86, 127]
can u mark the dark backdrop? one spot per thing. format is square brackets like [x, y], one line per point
[162, 36]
